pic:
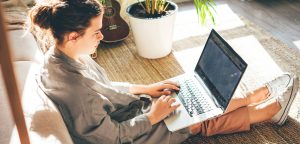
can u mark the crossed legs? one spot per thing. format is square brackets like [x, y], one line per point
[240, 114]
[257, 113]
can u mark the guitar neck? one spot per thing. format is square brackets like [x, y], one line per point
[108, 3]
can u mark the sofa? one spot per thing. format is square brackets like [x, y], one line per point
[43, 120]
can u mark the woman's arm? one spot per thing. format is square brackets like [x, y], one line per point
[95, 125]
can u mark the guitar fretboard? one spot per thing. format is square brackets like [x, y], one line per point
[108, 3]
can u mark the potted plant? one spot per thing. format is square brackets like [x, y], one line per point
[152, 23]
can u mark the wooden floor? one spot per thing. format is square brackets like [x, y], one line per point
[279, 17]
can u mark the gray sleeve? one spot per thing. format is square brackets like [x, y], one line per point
[115, 95]
[95, 125]
[122, 86]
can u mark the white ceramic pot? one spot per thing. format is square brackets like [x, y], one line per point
[153, 36]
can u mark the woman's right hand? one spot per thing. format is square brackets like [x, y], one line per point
[161, 108]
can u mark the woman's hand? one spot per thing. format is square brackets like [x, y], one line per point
[156, 89]
[161, 88]
[161, 108]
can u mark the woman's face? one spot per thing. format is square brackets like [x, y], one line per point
[88, 43]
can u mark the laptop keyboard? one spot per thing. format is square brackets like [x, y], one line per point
[192, 98]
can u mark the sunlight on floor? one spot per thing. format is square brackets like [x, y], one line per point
[297, 43]
[259, 61]
[187, 24]
[188, 58]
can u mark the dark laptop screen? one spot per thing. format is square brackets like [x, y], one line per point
[221, 68]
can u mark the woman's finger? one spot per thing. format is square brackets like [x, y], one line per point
[161, 98]
[171, 83]
[165, 92]
[171, 100]
[167, 98]
[168, 86]
[174, 107]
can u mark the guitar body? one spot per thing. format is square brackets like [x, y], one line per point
[114, 28]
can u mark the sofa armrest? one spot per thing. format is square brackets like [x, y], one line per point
[24, 46]
[43, 120]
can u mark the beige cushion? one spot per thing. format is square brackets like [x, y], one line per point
[24, 47]
[43, 121]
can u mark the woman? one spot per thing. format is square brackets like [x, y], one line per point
[96, 110]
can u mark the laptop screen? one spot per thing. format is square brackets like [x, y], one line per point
[221, 68]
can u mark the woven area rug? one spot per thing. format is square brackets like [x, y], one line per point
[122, 63]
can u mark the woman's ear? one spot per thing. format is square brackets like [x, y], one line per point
[73, 36]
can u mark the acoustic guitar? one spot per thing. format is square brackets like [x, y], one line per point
[114, 28]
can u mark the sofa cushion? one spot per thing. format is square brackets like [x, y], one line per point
[6, 119]
[24, 46]
[43, 120]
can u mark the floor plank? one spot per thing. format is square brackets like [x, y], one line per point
[279, 17]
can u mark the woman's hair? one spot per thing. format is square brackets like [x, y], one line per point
[63, 16]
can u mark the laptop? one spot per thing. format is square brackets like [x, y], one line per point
[205, 92]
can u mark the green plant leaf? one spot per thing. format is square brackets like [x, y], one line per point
[102, 2]
[210, 15]
[203, 8]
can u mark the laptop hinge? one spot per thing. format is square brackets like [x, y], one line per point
[208, 91]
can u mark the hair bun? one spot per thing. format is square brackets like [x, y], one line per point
[42, 16]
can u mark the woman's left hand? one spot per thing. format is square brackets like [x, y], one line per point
[161, 88]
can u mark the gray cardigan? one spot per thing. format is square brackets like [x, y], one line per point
[96, 110]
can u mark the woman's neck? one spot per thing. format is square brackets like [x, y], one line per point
[69, 51]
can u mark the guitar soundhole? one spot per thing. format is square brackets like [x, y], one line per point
[109, 12]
